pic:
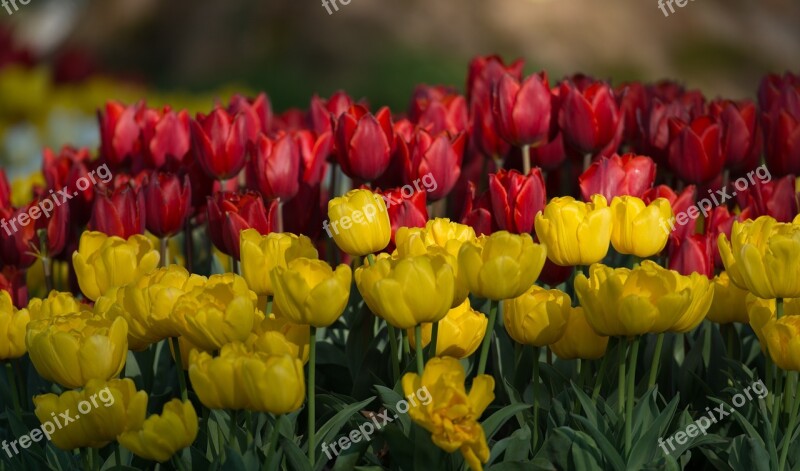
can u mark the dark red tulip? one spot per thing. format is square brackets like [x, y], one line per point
[13, 281]
[616, 176]
[274, 167]
[768, 197]
[5, 190]
[484, 74]
[438, 109]
[120, 132]
[304, 213]
[516, 199]
[653, 125]
[551, 155]
[323, 113]
[680, 205]
[522, 110]
[692, 255]
[434, 162]
[219, 141]
[293, 119]
[406, 209]
[553, 275]
[741, 134]
[477, 211]
[695, 149]
[590, 119]
[773, 89]
[314, 154]
[168, 202]
[18, 240]
[55, 222]
[720, 221]
[485, 71]
[230, 213]
[782, 138]
[632, 99]
[167, 138]
[62, 172]
[257, 112]
[120, 212]
[364, 142]
[484, 132]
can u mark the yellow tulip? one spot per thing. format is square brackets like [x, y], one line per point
[450, 414]
[575, 233]
[160, 436]
[782, 338]
[761, 312]
[359, 222]
[460, 332]
[55, 304]
[104, 262]
[311, 292]
[186, 348]
[763, 257]
[101, 411]
[72, 349]
[277, 336]
[701, 290]
[502, 265]
[538, 317]
[220, 312]
[260, 254]
[217, 380]
[637, 228]
[580, 340]
[729, 302]
[13, 323]
[407, 292]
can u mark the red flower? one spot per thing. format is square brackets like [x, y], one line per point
[304, 213]
[590, 119]
[665, 100]
[18, 241]
[776, 198]
[695, 149]
[477, 211]
[218, 143]
[406, 209]
[120, 212]
[323, 113]
[683, 226]
[434, 161]
[616, 176]
[720, 221]
[257, 112]
[439, 109]
[364, 142]
[314, 154]
[741, 134]
[168, 200]
[485, 71]
[230, 213]
[553, 275]
[516, 199]
[56, 223]
[484, 74]
[275, 167]
[632, 100]
[5, 190]
[522, 111]
[782, 130]
[692, 254]
[293, 119]
[13, 281]
[167, 138]
[63, 171]
[120, 132]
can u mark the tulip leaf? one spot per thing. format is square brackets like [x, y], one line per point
[772, 452]
[748, 453]
[538, 464]
[609, 452]
[492, 424]
[390, 399]
[646, 447]
[328, 432]
[297, 460]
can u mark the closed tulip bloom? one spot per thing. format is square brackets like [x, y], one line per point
[574, 232]
[364, 142]
[409, 291]
[768, 197]
[590, 118]
[104, 262]
[160, 436]
[72, 349]
[763, 312]
[311, 292]
[435, 156]
[220, 312]
[275, 335]
[275, 166]
[517, 199]
[360, 222]
[461, 331]
[120, 212]
[695, 150]
[763, 256]
[579, 339]
[742, 137]
[119, 404]
[438, 109]
[522, 110]
[782, 337]
[538, 317]
[168, 200]
[218, 380]
[617, 176]
[692, 255]
[231, 213]
[261, 254]
[219, 141]
[262, 372]
[451, 414]
[729, 304]
[782, 136]
[701, 290]
[639, 229]
[13, 324]
[502, 265]
[55, 304]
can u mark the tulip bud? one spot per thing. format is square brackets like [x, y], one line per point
[538, 317]
[522, 110]
[218, 143]
[516, 199]
[256, 111]
[618, 176]
[161, 436]
[360, 222]
[119, 213]
[436, 158]
[364, 142]
[311, 292]
[461, 332]
[231, 213]
[590, 118]
[167, 202]
[575, 233]
[275, 166]
[695, 150]
[639, 229]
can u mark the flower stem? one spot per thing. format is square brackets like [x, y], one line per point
[631, 387]
[621, 377]
[787, 437]
[776, 401]
[273, 440]
[164, 251]
[535, 382]
[779, 307]
[418, 341]
[395, 352]
[526, 159]
[656, 361]
[312, 360]
[12, 383]
[487, 338]
[179, 366]
[600, 376]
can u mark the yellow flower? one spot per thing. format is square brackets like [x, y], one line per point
[502, 265]
[763, 257]
[783, 342]
[277, 336]
[186, 348]
[701, 290]
[409, 291]
[12, 328]
[580, 340]
[460, 332]
[148, 303]
[639, 229]
[217, 380]
[101, 411]
[574, 232]
[22, 189]
[359, 222]
[72, 349]
[161, 436]
[260, 254]
[220, 312]
[538, 317]
[450, 414]
[729, 302]
[761, 312]
[311, 292]
[55, 304]
[104, 262]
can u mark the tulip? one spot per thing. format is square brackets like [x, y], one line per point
[167, 138]
[695, 150]
[579, 339]
[575, 233]
[256, 111]
[485, 71]
[120, 212]
[104, 262]
[404, 211]
[314, 153]
[407, 292]
[782, 338]
[692, 255]
[516, 199]
[742, 139]
[323, 113]
[460, 332]
[364, 142]
[120, 132]
[55, 304]
[729, 304]
[763, 313]
[63, 170]
[260, 375]
[666, 101]
[13, 324]
[614, 176]
[522, 110]
[782, 137]
[18, 247]
[311, 292]
[680, 205]
[639, 229]
[261, 254]
[167, 202]
[120, 404]
[72, 349]
[538, 317]
[218, 380]
[274, 167]
[484, 74]
[502, 265]
[633, 102]
[702, 294]
[451, 415]
[774, 89]
[477, 211]
[590, 118]
[439, 109]
[160, 436]
[484, 131]
[231, 213]
[435, 156]
[767, 197]
[372, 229]
[219, 141]
[277, 336]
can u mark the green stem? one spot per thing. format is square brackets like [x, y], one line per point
[487, 338]
[179, 366]
[164, 251]
[707, 342]
[631, 386]
[418, 341]
[787, 438]
[312, 361]
[434, 339]
[656, 361]
[526, 159]
[600, 376]
[621, 377]
[273, 440]
[535, 382]
[394, 350]
[12, 383]
[779, 307]
[776, 401]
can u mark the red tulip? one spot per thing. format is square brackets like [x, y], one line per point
[484, 132]
[12, 280]
[120, 212]
[304, 213]
[741, 134]
[56, 224]
[230, 213]
[62, 172]
[439, 109]
[477, 211]
[219, 141]
[590, 119]
[632, 99]
[314, 154]
[773, 89]
[551, 155]
[695, 149]
[435, 162]
[168, 201]
[516, 199]
[720, 221]
[323, 113]
[293, 119]
[680, 205]
[522, 110]
[553, 275]
[484, 74]
[257, 111]
[18, 240]
[364, 142]
[485, 71]
[782, 138]
[5, 190]
[692, 255]
[166, 138]
[767, 197]
[274, 167]
[616, 176]
[120, 132]
[406, 209]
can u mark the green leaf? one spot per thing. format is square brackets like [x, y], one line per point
[499, 418]
[294, 455]
[328, 432]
